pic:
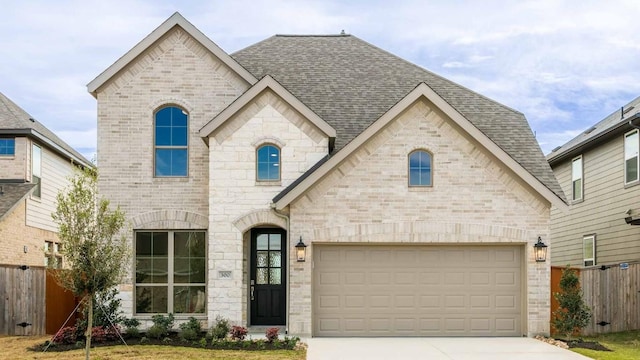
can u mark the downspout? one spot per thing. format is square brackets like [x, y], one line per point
[286, 218]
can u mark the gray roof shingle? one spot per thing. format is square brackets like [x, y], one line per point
[350, 83]
[14, 119]
[11, 194]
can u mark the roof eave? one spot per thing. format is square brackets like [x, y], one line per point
[266, 82]
[51, 144]
[422, 90]
[15, 204]
[175, 20]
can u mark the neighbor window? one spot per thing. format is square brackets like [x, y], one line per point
[631, 147]
[576, 178]
[7, 147]
[268, 163]
[170, 272]
[36, 170]
[420, 168]
[589, 250]
[52, 254]
[171, 134]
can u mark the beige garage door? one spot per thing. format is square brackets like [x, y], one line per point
[417, 290]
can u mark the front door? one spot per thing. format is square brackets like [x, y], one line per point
[267, 285]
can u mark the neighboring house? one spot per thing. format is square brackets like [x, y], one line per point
[34, 164]
[419, 201]
[599, 172]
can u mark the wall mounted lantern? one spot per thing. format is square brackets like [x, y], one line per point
[540, 251]
[301, 251]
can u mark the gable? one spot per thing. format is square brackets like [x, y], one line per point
[420, 91]
[370, 185]
[140, 53]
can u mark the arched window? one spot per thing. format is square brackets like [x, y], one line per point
[171, 139]
[420, 173]
[268, 163]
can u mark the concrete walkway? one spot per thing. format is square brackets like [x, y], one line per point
[435, 349]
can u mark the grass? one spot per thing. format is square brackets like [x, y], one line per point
[15, 347]
[625, 346]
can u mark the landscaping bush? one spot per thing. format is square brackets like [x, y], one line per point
[161, 326]
[221, 329]
[573, 314]
[272, 334]
[132, 325]
[238, 332]
[191, 330]
[66, 335]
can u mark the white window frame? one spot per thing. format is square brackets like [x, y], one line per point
[577, 175]
[36, 170]
[589, 261]
[630, 155]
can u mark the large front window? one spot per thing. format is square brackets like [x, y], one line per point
[171, 137]
[170, 272]
[631, 147]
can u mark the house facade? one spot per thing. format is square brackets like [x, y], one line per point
[418, 201]
[34, 166]
[598, 170]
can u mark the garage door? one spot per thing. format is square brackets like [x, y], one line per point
[417, 290]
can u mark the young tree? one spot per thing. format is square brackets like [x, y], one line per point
[573, 314]
[96, 255]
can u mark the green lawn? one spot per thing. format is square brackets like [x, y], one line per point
[625, 346]
[15, 347]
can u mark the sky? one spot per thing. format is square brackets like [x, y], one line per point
[564, 64]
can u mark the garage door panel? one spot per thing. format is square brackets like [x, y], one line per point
[369, 290]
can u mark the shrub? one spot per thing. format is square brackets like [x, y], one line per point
[132, 330]
[190, 330]
[161, 326]
[572, 314]
[272, 334]
[203, 342]
[98, 334]
[238, 332]
[106, 311]
[221, 329]
[66, 335]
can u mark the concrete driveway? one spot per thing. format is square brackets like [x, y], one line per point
[435, 349]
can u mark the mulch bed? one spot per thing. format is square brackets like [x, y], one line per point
[591, 345]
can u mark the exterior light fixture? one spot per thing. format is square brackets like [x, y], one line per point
[301, 251]
[540, 251]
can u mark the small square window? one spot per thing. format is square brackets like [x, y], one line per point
[7, 147]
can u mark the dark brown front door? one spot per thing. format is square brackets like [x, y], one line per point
[268, 269]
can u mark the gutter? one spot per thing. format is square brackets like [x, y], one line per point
[52, 145]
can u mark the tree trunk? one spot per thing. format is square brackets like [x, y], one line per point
[89, 328]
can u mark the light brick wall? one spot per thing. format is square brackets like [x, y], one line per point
[15, 235]
[175, 70]
[15, 167]
[238, 202]
[474, 200]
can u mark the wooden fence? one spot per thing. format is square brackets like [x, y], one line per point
[22, 300]
[611, 292]
[60, 305]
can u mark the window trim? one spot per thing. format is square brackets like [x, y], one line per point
[170, 284]
[267, 181]
[169, 147]
[409, 169]
[592, 237]
[581, 178]
[637, 156]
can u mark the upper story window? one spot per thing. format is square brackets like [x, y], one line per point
[171, 145]
[268, 163]
[576, 178]
[589, 250]
[7, 147]
[420, 173]
[36, 169]
[631, 147]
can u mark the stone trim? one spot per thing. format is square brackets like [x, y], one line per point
[169, 219]
[168, 101]
[259, 217]
[268, 140]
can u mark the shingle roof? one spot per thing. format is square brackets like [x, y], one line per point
[351, 83]
[612, 124]
[14, 119]
[11, 194]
